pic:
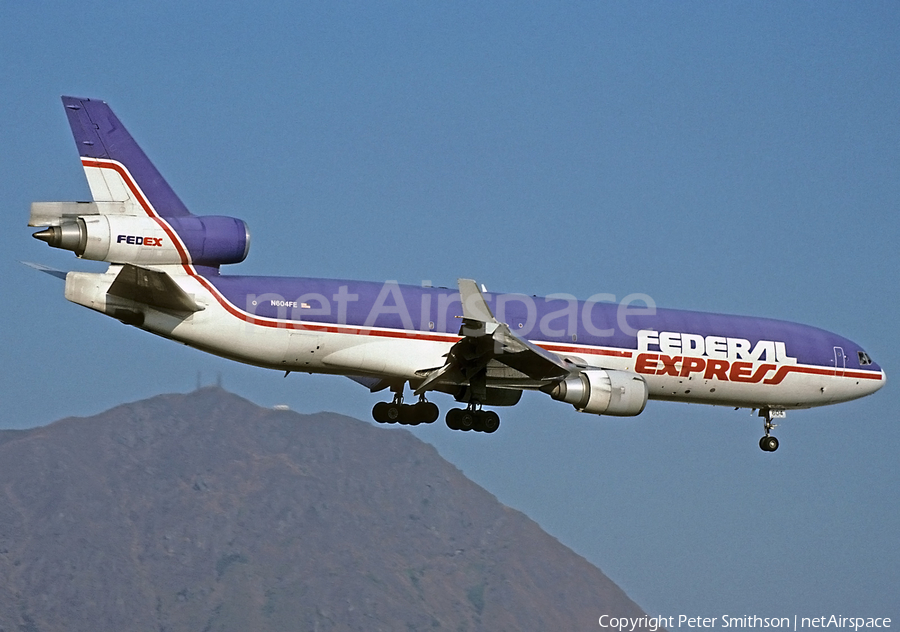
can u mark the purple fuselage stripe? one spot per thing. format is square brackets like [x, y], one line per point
[437, 310]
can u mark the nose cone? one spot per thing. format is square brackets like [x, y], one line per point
[879, 383]
[868, 376]
[874, 381]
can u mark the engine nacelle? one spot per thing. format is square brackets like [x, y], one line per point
[209, 241]
[601, 392]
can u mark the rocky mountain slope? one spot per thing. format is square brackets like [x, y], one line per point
[206, 512]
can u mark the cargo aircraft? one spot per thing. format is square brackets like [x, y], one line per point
[484, 349]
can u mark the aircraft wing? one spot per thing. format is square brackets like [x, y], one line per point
[152, 287]
[488, 341]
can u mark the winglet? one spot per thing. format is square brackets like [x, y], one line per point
[477, 315]
[117, 169]
[474, 305]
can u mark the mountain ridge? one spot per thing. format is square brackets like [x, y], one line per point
[205, 511]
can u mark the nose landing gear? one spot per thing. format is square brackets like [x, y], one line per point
[769, 443]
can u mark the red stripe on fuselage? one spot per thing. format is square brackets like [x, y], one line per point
[783, 372]
[382, 333]
[365, 331]
[322, 328]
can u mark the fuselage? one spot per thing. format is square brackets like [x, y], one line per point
[393, 331]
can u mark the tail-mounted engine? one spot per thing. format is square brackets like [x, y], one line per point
[601, 392]
[116, 238]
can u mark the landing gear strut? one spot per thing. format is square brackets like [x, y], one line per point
[473, 418]
[769, 443]
[396, 412]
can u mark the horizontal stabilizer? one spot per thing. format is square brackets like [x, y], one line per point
[55, 213]
[60, 274]
[151, 287]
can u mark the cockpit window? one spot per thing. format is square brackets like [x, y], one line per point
[864, 359]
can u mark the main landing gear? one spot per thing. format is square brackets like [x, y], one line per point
[424, 412]
[473, 418]
[396, 412]
[769, 443]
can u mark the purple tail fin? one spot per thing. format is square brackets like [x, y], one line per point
[116, 168]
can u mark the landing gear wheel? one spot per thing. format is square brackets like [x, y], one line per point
[473, 419]
[452, 419]
[490, 421]
[379, 412]
[426, 412]
[422, 412]
[410, 416]
[768, 444]
[394, 412]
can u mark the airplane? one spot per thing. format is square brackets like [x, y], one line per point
[483, 349]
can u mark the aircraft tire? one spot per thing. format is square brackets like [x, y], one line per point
[379, 412]
[426, 412]
[409, 415]
[394, 413]
[768, 444]
[490, 421]
[467, 420]
[452, 419]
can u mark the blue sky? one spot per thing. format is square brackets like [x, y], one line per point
[730, 157]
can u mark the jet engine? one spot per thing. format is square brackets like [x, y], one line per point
[208, 241]
[618, 393]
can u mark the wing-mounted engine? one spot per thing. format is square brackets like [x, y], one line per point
[97, 232]
[603, 392]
